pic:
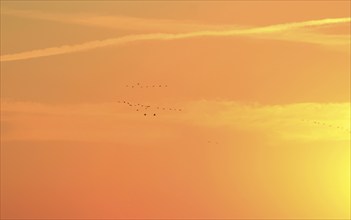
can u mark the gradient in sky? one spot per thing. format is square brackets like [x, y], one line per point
[264, 93]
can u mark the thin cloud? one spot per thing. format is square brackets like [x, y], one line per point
[279, 122]
[118, 21]
[285, 31]
[276, 122]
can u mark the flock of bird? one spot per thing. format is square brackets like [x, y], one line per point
[143, 107]
[139, 107]
[320, 123]
[138, 85]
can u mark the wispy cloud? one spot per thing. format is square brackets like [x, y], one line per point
[118, 21]
[100, 122]
[285, 31]
[297, 121]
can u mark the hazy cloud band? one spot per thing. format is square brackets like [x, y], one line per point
[252, 32]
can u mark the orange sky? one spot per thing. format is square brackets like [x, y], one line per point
[264, 93]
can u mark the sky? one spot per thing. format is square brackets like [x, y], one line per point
[175, 110]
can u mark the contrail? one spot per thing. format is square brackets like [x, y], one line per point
[258, 32]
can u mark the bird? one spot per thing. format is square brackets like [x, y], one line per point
[154, 114]
[145, 114]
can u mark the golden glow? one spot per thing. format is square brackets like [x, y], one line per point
[263, 130]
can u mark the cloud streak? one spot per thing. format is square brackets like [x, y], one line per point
[102, 120]
[284, 31]
[296, 121]
[118, 22]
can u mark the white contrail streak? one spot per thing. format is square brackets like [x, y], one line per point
[258, 32]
